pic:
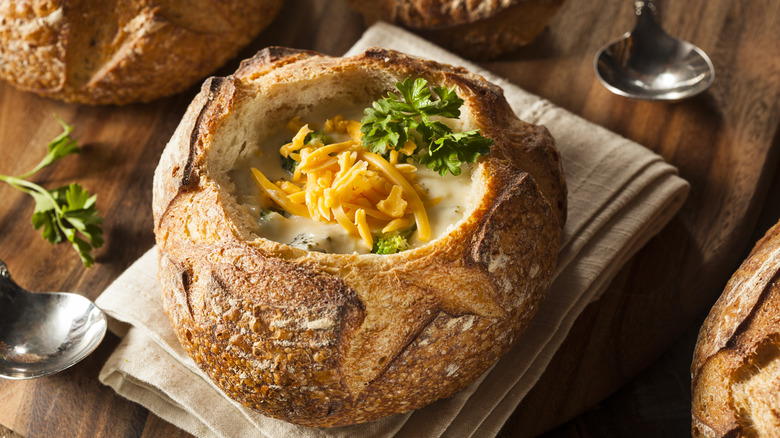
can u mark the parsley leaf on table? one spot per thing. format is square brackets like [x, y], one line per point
[396, 119]
[60, 147]
[65, 213]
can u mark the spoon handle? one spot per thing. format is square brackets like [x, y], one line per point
[647, 20]
[9, 296]
[4, 273]
[645, 6]
[8, 287]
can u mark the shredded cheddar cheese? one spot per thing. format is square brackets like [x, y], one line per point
[297, 142]
[346, 184]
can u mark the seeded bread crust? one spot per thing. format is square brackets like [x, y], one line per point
[335, 339]
[477, 29]
[736, 363]
[122, 51]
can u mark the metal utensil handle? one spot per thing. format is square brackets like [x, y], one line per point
[646, 8]
[4, 273]
[10, 293]
[643, 6]
[647, 19]
[8, 286]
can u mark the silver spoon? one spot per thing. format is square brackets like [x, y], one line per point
[44, 333]
[647, 63]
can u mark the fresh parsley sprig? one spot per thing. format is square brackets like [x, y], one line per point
[396, 119]
[65, 213]
[448, 152]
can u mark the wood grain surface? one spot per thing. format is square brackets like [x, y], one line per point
[725, 143]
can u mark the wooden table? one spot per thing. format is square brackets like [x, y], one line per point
[725, 142]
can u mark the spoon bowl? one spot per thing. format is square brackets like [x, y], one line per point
[647, 63]
[44, 333]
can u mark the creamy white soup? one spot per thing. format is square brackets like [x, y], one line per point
[333, 215]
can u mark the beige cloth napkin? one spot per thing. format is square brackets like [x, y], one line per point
[620, 195]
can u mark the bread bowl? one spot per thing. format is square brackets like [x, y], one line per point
[336, 338]
[736, 363]
[117, 52]
[477, 29]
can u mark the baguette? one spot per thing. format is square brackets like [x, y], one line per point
[329, 339]
[736, 363]
[117, 52]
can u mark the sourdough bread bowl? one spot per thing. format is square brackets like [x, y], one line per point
[117, 52]
[342, 337]
[736, 363]
[477, 29]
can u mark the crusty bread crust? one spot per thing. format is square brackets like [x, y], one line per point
[122, 51]
[736, 363]
[477, 29]
[334, 339]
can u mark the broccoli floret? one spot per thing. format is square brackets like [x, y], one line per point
[280, 211]
[307, 242]
[392, 243]
[316, 137]
[288, 163]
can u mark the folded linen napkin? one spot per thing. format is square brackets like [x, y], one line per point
[620, 195]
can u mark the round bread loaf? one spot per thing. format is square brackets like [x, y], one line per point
[477, 29]
[117, 52]
[736, 364]
[327, 339]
